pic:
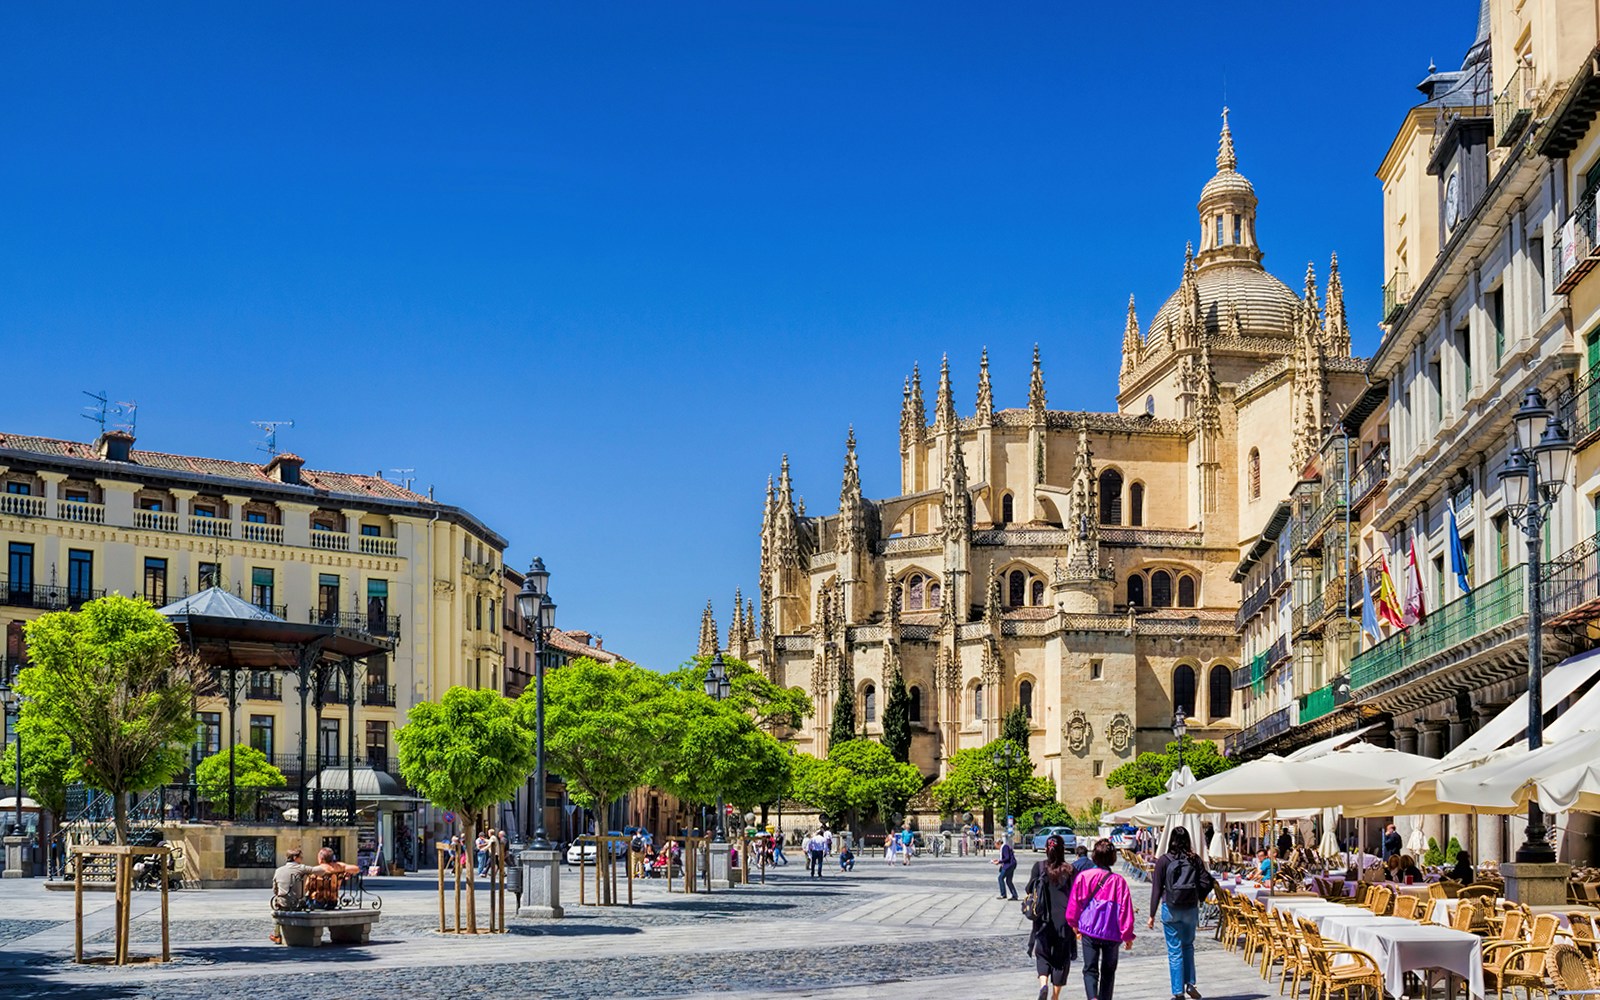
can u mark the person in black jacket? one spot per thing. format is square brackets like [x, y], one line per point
[1463, 872]
[1391, 842]
[1180, 917]
[1052, 942]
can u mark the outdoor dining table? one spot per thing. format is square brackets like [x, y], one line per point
[1305, 906]
[1420, 890]
[1406, 946]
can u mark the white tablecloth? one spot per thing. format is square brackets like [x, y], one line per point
[1413, 947]
[1305, 906]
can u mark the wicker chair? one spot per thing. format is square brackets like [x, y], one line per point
[1477, 890]
[1468, 918]
[1508, 965]
[1297, 957]
[1407, 906]
[1572, 973]
[1327, 979]
[1582, 932]
[1380, 900]
[1443, 890]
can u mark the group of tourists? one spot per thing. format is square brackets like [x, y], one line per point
[1085, 908]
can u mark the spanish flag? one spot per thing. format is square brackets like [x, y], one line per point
[1387, 600]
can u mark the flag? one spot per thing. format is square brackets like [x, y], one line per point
[1458, 553]
[1369, 614]
[1388, 601]
[1416, 603]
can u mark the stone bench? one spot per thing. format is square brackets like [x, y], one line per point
[303, 928]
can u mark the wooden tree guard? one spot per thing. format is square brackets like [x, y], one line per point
[497, 888]
[605, 874]
[123, 856]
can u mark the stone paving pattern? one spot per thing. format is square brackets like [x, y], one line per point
[933, 928]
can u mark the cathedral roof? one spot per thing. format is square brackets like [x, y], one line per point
[1265, 305]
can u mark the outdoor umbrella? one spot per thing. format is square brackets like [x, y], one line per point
[1181, 779]
[1344, 779]
[1418, 842]
[1328, 846]
[1511, 778]
[1219, 843]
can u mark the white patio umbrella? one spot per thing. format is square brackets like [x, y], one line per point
[1328, 846]
[1344, 779]
[1219, 844]
[1511, 778]
[1418, 841]
[1575, 789]
[1182, 779]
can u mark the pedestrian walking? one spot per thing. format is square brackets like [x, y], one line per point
[1177, 886]
[1100, 909]
[777, 850]
[907, 843]
[1084, 862]
[1008, 869]
[1052, 942]
[481, 845]
[816, 851]
[890, 847]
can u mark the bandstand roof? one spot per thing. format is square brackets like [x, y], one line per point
[228, 631]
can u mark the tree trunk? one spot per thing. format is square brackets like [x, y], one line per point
[469, 836]
[119, 815]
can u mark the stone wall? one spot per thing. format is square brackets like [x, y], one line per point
[204, 848]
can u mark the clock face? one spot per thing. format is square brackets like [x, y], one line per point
[1452, 200]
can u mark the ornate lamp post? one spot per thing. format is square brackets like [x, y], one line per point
[1530, 481]
[1180, 729]
[532, 600]
[717, 688]
[12, 700]
[1005, 759]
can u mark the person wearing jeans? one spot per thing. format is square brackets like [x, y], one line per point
[1100, 909]
[1179, 917]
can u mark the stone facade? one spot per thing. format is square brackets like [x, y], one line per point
[1074, 563]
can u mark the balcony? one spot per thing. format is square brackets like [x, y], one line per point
[264, 687]
[81, 511]
[254, 531]
[210, 527]
[1272, 726]
[21, 505]
[1496, 603]
[374, 545]
[1579, 407]
[1396, 293]
[1575, 254]
[155, 520]
[1374, 472]
[26, 594]
[370, 623]
[1513, 109]
[380, 695]
[278, 610]
[331, 541]
[1315, 705]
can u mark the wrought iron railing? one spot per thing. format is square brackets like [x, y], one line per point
[1491, 605]
[1512, 109]
[264, 687]
[1272, 725]
[381, 695]
[1575, 245]
[1579, 406]
[1373, 473]
[1396, 292]
[359, 621]
[1315, 705]
[1277, 652]
[1572, 579]
[21, 594]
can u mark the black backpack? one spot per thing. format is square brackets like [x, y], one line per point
[1187, 881]
[1035, 899]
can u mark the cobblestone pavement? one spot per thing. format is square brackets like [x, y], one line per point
[933, 928]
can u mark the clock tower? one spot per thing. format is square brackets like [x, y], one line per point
[1461, 162]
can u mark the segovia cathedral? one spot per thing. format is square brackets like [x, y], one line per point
[1076, 564]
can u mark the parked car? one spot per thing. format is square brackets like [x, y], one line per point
[583, 852]
[1044, 833]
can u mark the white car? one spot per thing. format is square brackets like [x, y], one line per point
[583, 852]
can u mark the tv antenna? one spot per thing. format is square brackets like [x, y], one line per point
[270, 427]
[96, 411]
[405, 477]
[118, 416]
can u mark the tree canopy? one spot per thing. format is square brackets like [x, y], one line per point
[1015, 728]
[1146, 775]
[857, 774]
[111, 678]
[606, 727]
[750, 691]
[897, 719]
[716, 749]
[252, 773]
[843, 727]
[975, 780]
[48, 764]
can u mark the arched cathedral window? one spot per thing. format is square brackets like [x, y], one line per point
[935, 594]
[1111, 497]
[977, 701]
[1161, 589]
[1025, 697]
[914, 593]
[1183, 690]
[1017, 588]
[914, 708]
[1037, 596]
[1255, 474]
[869, 703]
[1136, 505]
[1135, 590]
[1186, 591]
[1007, 509]
[1221, 700]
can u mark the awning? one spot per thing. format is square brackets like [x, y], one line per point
[1559, 683]
[1327, 746]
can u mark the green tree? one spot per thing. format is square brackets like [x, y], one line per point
[750, 691]
[976, 779]
[843, 729]
[1049, 814]
[1147, 774]
[465, 753]
[714, 748]
[1015, 727]
[48, 764]
[897, 719]
[112, 679]
[606, 725]
[252, 773]
[857, 775]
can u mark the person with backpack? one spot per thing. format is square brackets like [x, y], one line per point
[1177, 886]
[1052, 941]
[1100, 909]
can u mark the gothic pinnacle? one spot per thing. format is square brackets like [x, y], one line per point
[1226, 158]
[1130, 339]
[944, 407]
[985, 392]
[1036, 398]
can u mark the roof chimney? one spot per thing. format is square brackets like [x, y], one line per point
[114, 446]
[285, 468]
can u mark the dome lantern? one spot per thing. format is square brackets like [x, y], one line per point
[1227, 209]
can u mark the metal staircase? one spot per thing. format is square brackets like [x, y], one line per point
[91, 821]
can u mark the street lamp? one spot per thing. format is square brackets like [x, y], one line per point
[1180, 729]
[1005, 759]
[1531, 479]
[12, 700]
[718, 688]
[532, 601]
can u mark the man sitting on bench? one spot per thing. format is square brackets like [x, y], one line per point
[293, 882]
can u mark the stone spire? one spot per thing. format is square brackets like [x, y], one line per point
[785, 524]
[944, 406]
[852, 528]
[1335, 331]
[913, 413]
[1036, 398]
[985, 393]
[1190, 322]
[892, 618]
[1083, 517]
[1131, 341]
[1310, 379]
[957, 504]
[736, 632]
[708, 633]
[1226, 159]
[992, 606]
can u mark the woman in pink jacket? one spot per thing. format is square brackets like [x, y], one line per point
[1100, 909]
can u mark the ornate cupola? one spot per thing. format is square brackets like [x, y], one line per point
[1227, 210]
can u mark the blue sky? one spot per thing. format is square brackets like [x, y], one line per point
[591, 268]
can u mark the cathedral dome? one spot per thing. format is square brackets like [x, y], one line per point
[1226, 185]
[1266, 306]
